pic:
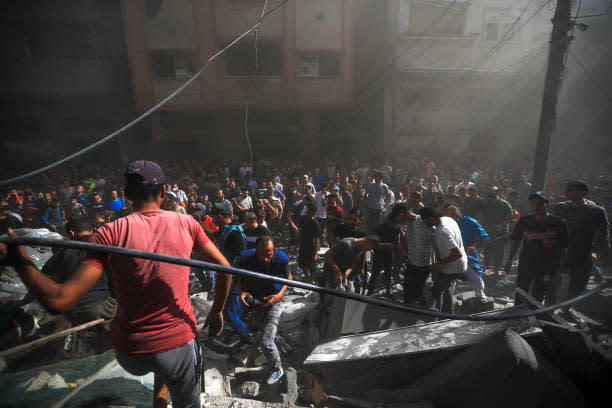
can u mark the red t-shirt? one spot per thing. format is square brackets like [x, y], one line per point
[154, 312]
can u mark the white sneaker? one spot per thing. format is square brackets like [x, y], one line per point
[275, 376]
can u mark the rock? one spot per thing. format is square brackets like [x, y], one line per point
[243, 357]
[250, 373]
[260, 359]
[215, 380]
[275, 393]
[294, 309]
[38, 382]
[249, 389]
[476, 305]
[57, 382]
[225, 402]
[502, 370]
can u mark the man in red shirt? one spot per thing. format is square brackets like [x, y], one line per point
[155, 327]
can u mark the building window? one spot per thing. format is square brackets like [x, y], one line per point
[319, 65]
[497, 31]
[240, 59]
[173, 65]
[424, 13]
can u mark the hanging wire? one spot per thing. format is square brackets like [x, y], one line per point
[146, 113]
[503, 315]
[250, 95]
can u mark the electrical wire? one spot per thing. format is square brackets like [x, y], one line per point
[376, 79]
[590, 76]
[384, 71]
[571, 37]
[146, 113]
[504, 315]
[500, 44]
[434, 42]
[521, 58]
[250, 95]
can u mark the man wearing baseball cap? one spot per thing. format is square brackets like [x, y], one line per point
[544, 253]
[155, 329]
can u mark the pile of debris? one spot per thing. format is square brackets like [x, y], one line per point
[360, 355]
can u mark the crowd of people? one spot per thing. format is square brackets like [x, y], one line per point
[418, 219]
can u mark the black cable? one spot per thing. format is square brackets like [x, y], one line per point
[145, 114]
[366, 88]
[590, 76]
[56, 243]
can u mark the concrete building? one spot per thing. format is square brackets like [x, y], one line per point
[467, 75]
[304, 73]
[65, 80]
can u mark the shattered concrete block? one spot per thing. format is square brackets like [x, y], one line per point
[215, 382]
[260, 359]
[289, 395]
[57, 382]
[249, 389]
[294, 309]
[225, 402]
[250, 373]
[243, 357]
[500, 371]
[38, 382]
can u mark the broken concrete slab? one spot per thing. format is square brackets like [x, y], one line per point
[393, 358]
[38, 382]
[285, 392]
[57, 382]
[245, 357]
[294, 309]
[502, 370]
[352, 317]
[215, 380]
[250, 373]
[225, 402]
[249, 389]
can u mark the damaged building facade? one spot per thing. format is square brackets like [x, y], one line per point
[304, 73]
[451, 66]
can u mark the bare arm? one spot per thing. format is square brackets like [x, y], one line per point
[54, 296]
[454, 254]
[513, 249]
[212, 254]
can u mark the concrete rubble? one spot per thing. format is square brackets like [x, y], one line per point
[371, 357]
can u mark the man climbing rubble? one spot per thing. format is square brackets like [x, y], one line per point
[267, 260]
[155, 327]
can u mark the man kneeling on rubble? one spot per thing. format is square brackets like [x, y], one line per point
[264, 295]
[155, 328]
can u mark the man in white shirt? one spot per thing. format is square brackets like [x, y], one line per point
[466, 184]
[452, 259]
[180, 195]
[320, 201]
[418, 244]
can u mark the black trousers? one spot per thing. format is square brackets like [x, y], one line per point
[441, 291]
[381, 263]
[536, 279]
[414, 282]
[494, 254]
[579, 272]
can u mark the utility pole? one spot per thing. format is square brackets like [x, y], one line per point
[559, 44]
